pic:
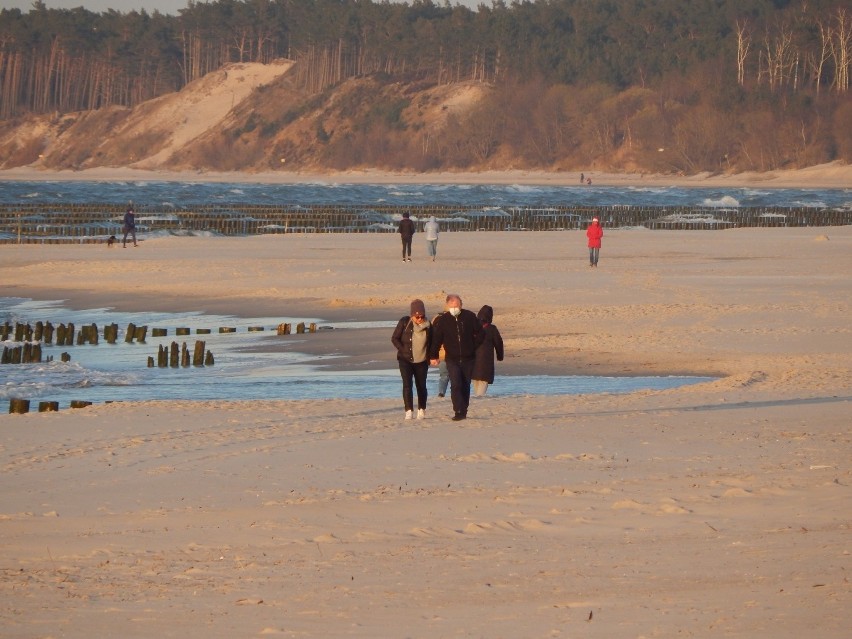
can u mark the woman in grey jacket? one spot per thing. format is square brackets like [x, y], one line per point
[412, 338]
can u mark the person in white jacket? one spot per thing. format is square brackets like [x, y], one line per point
[431, 229]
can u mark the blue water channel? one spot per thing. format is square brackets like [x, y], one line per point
[244, 369]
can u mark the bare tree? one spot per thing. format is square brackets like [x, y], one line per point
[743, 46]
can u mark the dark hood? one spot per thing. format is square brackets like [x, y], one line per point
[486, 314]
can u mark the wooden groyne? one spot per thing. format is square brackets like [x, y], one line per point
[95, 223]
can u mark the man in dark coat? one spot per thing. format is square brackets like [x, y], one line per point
[129, 225]
[459, 332]
[406, 232]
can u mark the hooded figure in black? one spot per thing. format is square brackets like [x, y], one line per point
[459, 332]
[492, 343]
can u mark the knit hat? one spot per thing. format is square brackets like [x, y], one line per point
[418, 308]
[406, 214]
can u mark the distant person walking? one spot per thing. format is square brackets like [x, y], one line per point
[129, 225]
[412, 338]
[594, 234]
[492, 343]
[459, 332]
[406, 232]
[431, 229]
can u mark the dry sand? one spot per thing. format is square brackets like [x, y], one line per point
[823, 176]
[715, 510]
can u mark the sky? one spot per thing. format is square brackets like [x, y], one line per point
[163, 6]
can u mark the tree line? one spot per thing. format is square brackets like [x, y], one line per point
[680, 85]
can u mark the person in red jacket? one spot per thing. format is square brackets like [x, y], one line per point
[594, 233]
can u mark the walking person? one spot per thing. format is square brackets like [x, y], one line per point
[443, 375]
[412, 338]
[492, 344]
[594, 234]
[406, 232]
[129, 225]
[431, 229]
[459, 332]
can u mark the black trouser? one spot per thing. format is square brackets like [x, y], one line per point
[406, 246]
[460, 374]
[418, 371]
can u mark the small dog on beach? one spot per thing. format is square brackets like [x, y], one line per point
[110, 241]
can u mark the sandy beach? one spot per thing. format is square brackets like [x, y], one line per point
[831, 175]
[715, 510]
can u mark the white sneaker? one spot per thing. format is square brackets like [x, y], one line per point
[421, 413]
[408, 414]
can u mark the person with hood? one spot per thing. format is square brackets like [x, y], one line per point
[492, 343]
[431, 229]
[459, 332]
[406, 232]
[412, 338]
[594, 233]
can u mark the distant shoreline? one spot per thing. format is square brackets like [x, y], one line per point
[825, 176]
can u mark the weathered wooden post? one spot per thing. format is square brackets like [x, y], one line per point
[208, 360]
[39, 331]
[182, 330]
[60, 335]
[313, 327]
[131, 333]
[111, 333]
[65, 357]
[184, 355]
[300, 328]
[19, 406]
[141, 332]
[79, 403]
[48, 407]
[159, 332]
[173, 355]
[198, 353]
[202, 331]
[255, 329]
[69, 334]
[227, 329]
[150, 362]
[284, 329]
[162, 356]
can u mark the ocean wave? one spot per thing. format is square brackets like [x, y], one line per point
[726, 201]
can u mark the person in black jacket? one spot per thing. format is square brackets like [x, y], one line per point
[129, 225]
[459, 332]
[492, 343]
[412, 338]
[406, 232]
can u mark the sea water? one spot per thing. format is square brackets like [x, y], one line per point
[245, 366]
[182, 195]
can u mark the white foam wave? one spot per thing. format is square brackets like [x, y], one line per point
[726, 201]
